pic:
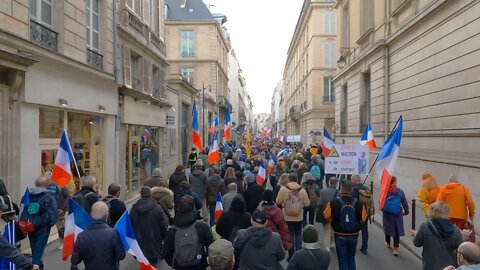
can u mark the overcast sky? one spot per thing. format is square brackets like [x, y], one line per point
[260, 31]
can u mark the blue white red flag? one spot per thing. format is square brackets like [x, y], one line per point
[213, 126]
[262, 173]
[218, 206]
[367, 138]
[196, 140]
[228, 125]
[77, 221]
[25, 200]
[62, 173]
[327, 142]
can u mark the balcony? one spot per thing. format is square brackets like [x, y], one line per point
[223, 102]
[95, 59]
[43, 36]
[294, 112]
[329, 99]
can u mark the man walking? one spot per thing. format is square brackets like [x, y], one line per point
[346, 214]
[257, 247]
[215, 184]
[154, 181]
[326, 195]
[117, 207]
[468, 257]
[87, 196]
[198, 183]
[220, 255]
[100, 246]
[363, 194]
[458, 198]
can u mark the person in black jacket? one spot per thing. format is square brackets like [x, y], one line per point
[253, 193]
[236, 216]
[176, 178]
[185, 217]
[87, 196]
[186, 190]
[100, 246]
[312, 256]
[117, 207]
[149, 225]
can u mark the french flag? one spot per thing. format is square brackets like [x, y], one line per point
[196, 140]
[62, 173]
[387, 160]
[271, 164]
[77, 221]
[262, 174]
[268, 133]
[228, 125]
[367, 138]
[214, 126]
[327, 142]
[283, 152]
[25, 200]
[214, 153]
[218, 206]
[283, 139]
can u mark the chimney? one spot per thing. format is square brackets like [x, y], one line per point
[183, 3]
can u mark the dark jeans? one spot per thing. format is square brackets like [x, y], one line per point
[311, 215]
[396, 240]
[295, 229]
[364, 229]
[346, 247]
[38, 243]
[211, 208]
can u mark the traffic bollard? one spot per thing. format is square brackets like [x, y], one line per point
[414, 206]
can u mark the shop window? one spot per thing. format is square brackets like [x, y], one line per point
[51, 123]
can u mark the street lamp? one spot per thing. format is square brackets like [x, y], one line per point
[341, 62]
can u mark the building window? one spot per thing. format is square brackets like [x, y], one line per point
[41, 11]
[365, 101]
[188, 43]
[154, 16]
[188, 74]
[328, 90]
[166, 11]
[136, 62]
[51, 123]
[92, 25]
[329, 54]
[366, 19]
[330, 22]
[158, 81]
[136, 6]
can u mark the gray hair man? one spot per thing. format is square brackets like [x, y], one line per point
[87, 196]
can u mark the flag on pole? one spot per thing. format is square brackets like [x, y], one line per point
[196, 140]
[248, 147]
[77, 221]
[213, 126]
[268, 133]
[387, 160]
[125, 231]
[218, 206]
[262, 174]
[367, 138]
[228, 125]
[9, 234]
[214, 152]
[283, 152]
[62, 173]
[25, 200]
[271, 164]
[327, 142]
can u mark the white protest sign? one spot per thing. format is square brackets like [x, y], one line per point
[347, 159]
[293, 138]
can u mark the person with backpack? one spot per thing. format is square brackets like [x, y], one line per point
[363, 194]
[293, 198]
[312, 256]
[176, 178]
[310, 185]
[326, 195]
[87, 196]
[215, 184]
[185, 189]
[258, 247]
[345, 214]
[116, 206]
[317, 169]
[395, 208]
[276, 221]
[38, 218]
[164, 197]
[186, 243]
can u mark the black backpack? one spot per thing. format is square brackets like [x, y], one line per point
[81, 199]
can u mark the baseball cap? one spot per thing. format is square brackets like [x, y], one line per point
[259, 216]
[220, 251]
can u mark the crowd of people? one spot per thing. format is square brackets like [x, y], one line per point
[264, 221]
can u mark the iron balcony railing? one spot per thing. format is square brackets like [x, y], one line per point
[95, 59]
[43, 36]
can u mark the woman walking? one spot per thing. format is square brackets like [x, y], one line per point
[428, 193]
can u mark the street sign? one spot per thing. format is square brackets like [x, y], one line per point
[347, 159]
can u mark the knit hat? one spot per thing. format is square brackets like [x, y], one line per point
[267, 195]
[219, 252]
[310, 237]
[259, 216]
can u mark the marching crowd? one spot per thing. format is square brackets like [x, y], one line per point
[263, 221]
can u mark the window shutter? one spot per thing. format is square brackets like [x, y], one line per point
[146, 76]
[146, 11]
[127, 67]
[326, 57]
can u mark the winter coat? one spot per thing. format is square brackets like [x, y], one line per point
[229, 180]
[163, 196]
[259, 249]
[393, 224]
[241, 185]
[205, 238]
[90, 196]
[438, 250]
[215, 184]
[253, 196]
[300, 173]
[149, 226]
[309, 259]
[117, 208]
[274, 177]
[228, 198]
[175, 179]
[277, 223]
[14, 255]
[188, 192]
[427, 197]
[309, 185]
[333, 210]
[469, 267]
[153, 181]
[276, 189]
[235, 216]
[99, 247]
[48, 206]
[198, 183]
[283, 196]
[458, 198]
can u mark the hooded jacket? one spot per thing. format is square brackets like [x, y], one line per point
[198, 183]
[428, 192]
[259, 249]
[174, 181]
[276, 223]
[205, 238]
[253, 196]
[438, 250]
[149, 226]
[163, 196]
[153, 181]
[48, 205]
[234, 216]
[458, 198]
[189, 192]
[215, 184]
[283, 196]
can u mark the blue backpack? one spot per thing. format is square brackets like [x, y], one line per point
[393, 204]
[348, 215]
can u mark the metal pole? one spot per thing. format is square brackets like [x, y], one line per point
[203, 114]
[414, 206]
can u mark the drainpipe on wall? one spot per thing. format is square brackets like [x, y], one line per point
[117, 116]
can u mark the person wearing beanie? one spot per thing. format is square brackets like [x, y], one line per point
[428, 192]
[276, 222]
[312, 256]
[258, 247]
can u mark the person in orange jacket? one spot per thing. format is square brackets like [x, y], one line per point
[458, 198]
[428, 193]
